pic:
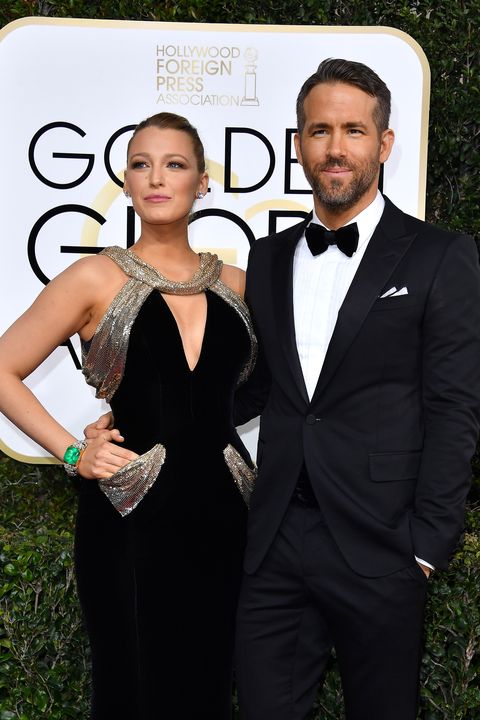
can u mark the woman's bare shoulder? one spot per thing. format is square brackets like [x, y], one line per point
[95, 268]
[92, 277]
[234, 277]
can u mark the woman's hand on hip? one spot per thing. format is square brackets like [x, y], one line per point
[102, 458]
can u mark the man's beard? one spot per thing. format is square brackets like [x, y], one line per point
[336, 196]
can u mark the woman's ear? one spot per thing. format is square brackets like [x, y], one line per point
[126, 191]
[203, 185]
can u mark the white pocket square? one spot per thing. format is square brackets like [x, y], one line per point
[393, 292]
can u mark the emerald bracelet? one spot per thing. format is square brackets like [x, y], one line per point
[72, 457]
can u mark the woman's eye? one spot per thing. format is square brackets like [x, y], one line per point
[175, 164]
[139, 164]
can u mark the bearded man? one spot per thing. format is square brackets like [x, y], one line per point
[368, 386]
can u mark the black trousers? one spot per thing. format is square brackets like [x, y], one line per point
[304, 600]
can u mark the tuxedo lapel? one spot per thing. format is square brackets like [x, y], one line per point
[283, 302]
[386, 248]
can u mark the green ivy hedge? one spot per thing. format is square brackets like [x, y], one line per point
[44, 665]
[43, 652]
[44, 662]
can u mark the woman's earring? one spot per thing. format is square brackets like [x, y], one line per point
[200, 195]
[126, 193]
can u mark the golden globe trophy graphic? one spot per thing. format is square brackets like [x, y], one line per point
[250, 91]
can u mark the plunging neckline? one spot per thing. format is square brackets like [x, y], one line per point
[191, 370]
[104, 357]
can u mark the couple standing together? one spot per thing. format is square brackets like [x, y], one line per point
[367, 382]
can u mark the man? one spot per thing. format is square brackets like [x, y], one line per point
[369, 387]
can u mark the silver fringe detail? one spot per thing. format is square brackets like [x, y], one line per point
[243, 475]
[104, 362]
[129, 485]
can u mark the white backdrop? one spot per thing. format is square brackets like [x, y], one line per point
[71, 91]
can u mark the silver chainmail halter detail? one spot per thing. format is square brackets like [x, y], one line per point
[104, 361]
[209, 271]
[104, 364]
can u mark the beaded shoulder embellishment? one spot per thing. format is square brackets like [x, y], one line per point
[104, 361]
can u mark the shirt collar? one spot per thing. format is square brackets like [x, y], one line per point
[367, 220]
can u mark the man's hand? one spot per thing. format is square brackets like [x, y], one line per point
[104, 422]
[425, 569]
[102, 458]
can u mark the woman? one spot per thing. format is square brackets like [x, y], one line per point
[160, 530]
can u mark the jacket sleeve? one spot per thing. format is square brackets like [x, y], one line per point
[451, 402]
[252, 396]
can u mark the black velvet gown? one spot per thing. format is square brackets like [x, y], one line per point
[159, 587]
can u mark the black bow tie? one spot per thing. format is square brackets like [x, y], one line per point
[319, 238]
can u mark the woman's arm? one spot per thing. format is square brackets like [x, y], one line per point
[72, 302]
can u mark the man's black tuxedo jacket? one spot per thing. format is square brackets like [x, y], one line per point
[389, 433]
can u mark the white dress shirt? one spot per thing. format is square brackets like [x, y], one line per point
[320, 284]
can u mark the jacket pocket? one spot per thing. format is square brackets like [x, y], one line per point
[394, 466]
[394, 303]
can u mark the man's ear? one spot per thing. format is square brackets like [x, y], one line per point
[298, 148]
[386, 144]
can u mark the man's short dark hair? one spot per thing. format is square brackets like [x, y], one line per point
[352, 73]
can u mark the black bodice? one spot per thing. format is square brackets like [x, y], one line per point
[160, 399]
